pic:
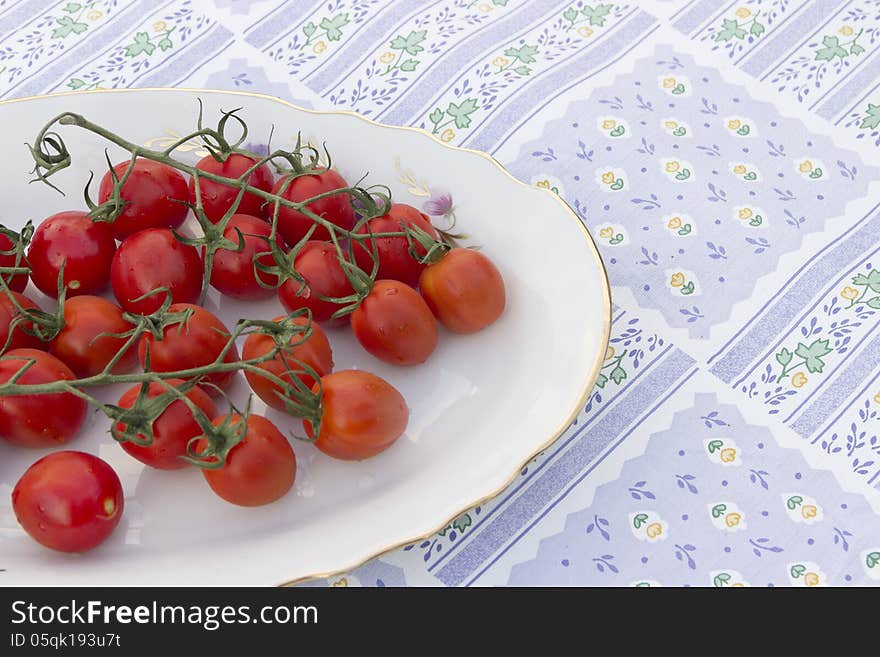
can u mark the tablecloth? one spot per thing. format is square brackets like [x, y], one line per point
[725, 157]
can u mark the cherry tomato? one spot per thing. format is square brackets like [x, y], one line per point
[83, 246]
[196, 342]
[45, 420]
[464, 290]
[155, 196]
[86, 343]
[315, 352]
[217, 198]
[395, 324]
[69, 501]
[16, 282]
[294, 225]
[8, 313]
[361, 415]
[233, 272]
[172, 430]
[395, 261]
[258, 470]
[152, 259]
[318, 264]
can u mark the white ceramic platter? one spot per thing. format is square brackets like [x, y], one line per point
[481, 407]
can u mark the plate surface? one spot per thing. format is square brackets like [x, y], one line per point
[482, 406]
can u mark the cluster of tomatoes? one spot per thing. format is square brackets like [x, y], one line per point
[395, 290]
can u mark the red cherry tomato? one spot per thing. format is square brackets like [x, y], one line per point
[152, 259]
[464, 290]
[395, 325]
[46, 420]
[20, 338]
[86, 343]
[395, 261]
[83, 246]
[315, 352]
[361, 415]
[16, 282]
[294, 225]
[318, 264]
[196, 342]
[217, 198]
[233, 272]
[155, 196]
[258, 470]
[172, 430]
[69, 501]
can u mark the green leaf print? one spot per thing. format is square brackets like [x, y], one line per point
[310, 29]
[461, 113]
[757, 29]
[640, 519]
[570, 14]
[462, 522]
[687, 289]
[730, 29]
[856, 49]
[68, 26]
[525, 53]
[874, 303]
[332, 26]
[76, 83]
[140, 45]
[601, 381]
[872, 559]
[618, 374]
[718, 510]
[714, 446]
[436, 116]
[871, 280]
[411, 44]
[596, 15]
[831, 50]
[165, 43]
[797, 570]
[813, 354]
[721, 579]
[72, 7]
[794, 502]
[784, 357]
[408, 65]
[522, 70]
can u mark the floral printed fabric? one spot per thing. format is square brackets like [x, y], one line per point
[724, 156]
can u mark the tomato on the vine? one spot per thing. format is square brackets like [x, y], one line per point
[258, 470]
[234, 273]
[69, 501]
[194, 342]
[155, 196]
[318, 264]
[8, 257]
[83, 247]
[314, 352]
[464, 290]
[395, 261]
[172, 430]
[217, 198]
[395, 325]
[336, 208]
[39, 420]
[153, 259]
[361, 415]
[8, 314]
[88, 341]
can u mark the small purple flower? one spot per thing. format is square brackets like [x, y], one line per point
[439, 205]
[259, 149]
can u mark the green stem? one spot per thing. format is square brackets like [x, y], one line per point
[855, 301]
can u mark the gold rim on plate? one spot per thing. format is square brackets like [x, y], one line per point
[606, 294]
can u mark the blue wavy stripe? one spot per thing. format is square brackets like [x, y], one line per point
[279, 21]
[17, 18]
[699, 14]
[513, 112]
[363, 41]
[853, 89]
[772, 49]
[781, 311]
[568, 471]
[437, 76]
[206, 46]
[105, 37]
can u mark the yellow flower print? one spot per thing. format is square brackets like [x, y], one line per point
[746, 213]
[677, 279]
[668, 83]
[809, 511]
[738, 585]
[606, 232]
[674, 223]
[739, 169]
[733, 124]
[805, 167]
[485, 7]
[94, 15]
[447, 135]
[585, 31]
[849, 293]
[846, 30]
[877, 398]
[608, 177]
[543, 184]
[609, 353]
[319, 47]
[387, 57]
[608, 124]
[811, 579]
[673, 166]
[728, 455]
[799, 380]
[500, 62]
[343, 582]
[743, 12]
[670, 125]
[732, 519]
[160, 26]
[654, 530]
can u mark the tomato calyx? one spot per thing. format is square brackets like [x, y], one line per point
[138, 420]
[219, 439]
[434, 249]
[19, 241]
